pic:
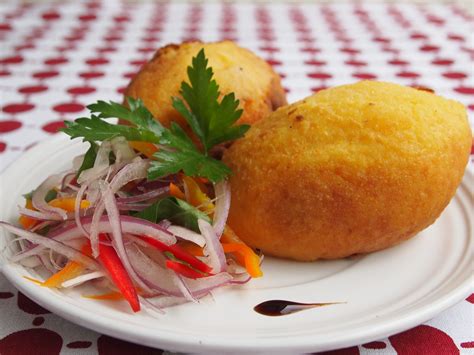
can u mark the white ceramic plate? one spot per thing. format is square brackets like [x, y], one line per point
[385, 292]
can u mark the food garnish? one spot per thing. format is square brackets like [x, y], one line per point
[210, 120]
[142, 214]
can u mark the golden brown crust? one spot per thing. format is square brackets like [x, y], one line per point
[236, 70]
[353, 169]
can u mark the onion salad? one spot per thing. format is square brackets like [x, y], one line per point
[164, 240]
[142, 215]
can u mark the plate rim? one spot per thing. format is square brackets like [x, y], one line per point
[165, 339]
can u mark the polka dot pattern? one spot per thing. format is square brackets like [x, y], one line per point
[58, 57]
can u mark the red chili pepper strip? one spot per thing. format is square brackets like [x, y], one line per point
[179, 253]
[110, 260]
[184, 270]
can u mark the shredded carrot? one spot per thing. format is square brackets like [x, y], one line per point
[68, 203]
[196, 196]
[243, 254]
[251, 260]
[110, 296]
[38, 282]
[25, 221]
[176, 191]
[148, 149]
[229, 236]
[70, 271]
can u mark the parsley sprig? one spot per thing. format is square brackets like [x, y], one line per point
[211, 121]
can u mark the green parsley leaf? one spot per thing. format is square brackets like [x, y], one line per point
[51, 195]
[137, 114]
[185, 157]
[176, 211]
[210, 120]
[96, 129]
[89, 158]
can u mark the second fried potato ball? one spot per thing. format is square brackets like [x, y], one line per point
[236, 70]
[352, 169]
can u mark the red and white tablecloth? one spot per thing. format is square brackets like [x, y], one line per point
[55, 58]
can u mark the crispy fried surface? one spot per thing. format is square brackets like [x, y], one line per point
[236, 70]
[352, 169]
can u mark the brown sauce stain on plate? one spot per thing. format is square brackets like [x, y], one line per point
[275, 308]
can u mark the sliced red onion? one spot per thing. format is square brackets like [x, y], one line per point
[221, 211]
[77, 161]
[92, 192]
[136, 170]
[122, 150]
[44, 216]
[167, 301]
[116, 168]
[68, 193]
[117, 236]
[121, 194]
[130, 225]
[67, 178]
[77, 207]
[241, 279]
[83, 278]
[103, 154]
[133, 171]
[202, 286]
[94, 230]
[184, 289]
[31, 262]
[213, 248]
[77, 243]
[165, 224]
[73, 188]
[150, 307]
[24, 244]
[145, 196]
[70, 189]
[156, 184]
[53, 244]
[42, 225]
[40, 193]
[46, 263]
[158, 278]
[92, 174]
[165, 281]
[132, 206]
[186, 234]
[20, 243]
[235, 269]
[101, 165]
[54, 262]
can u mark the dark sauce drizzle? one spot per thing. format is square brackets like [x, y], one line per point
[275, 308]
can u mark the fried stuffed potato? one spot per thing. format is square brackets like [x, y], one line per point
[236, 70]
[352, 169]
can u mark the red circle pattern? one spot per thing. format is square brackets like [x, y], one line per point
[299, 51]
